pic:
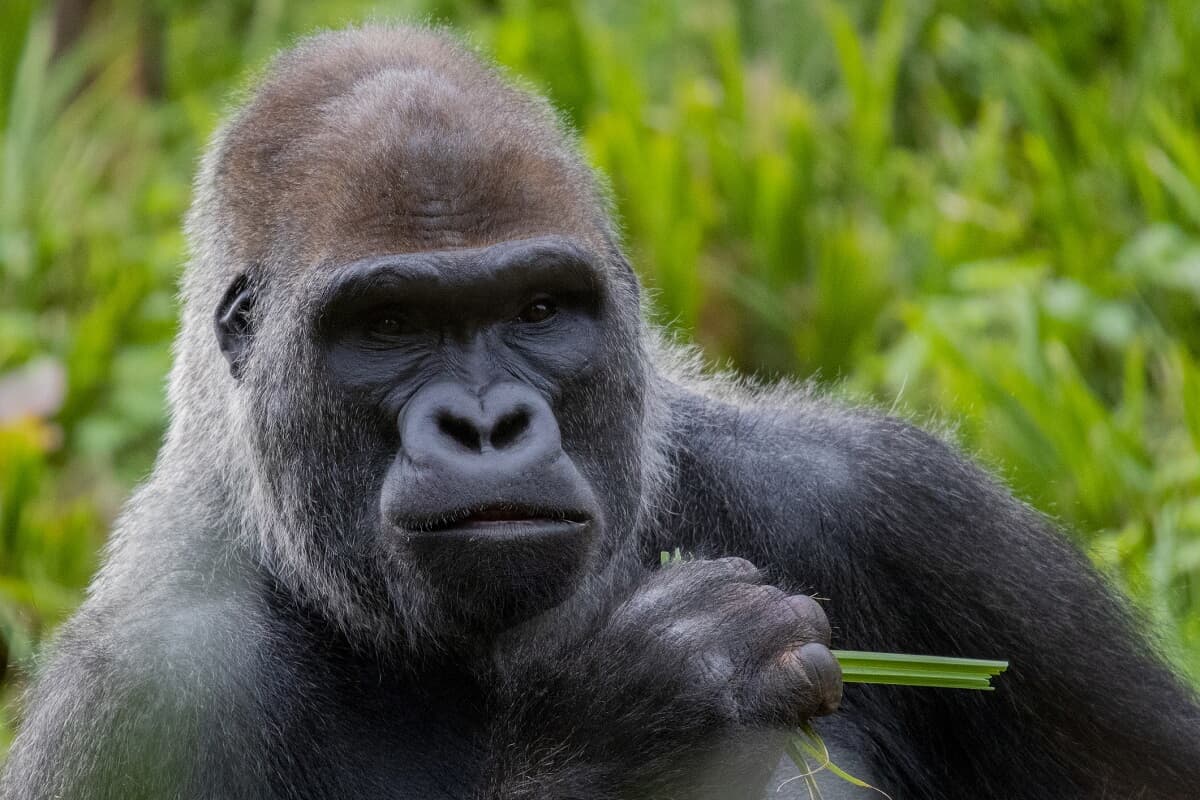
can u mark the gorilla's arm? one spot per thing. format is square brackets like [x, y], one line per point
[145, 706]
[919, 551]
[94, 732]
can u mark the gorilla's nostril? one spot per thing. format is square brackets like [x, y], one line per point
[460, 430]
[510, 428]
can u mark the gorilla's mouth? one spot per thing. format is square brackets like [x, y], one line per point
[497, 563]
[500, 517]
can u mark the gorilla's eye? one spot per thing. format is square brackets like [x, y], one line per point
[384, 325]
[539, 310]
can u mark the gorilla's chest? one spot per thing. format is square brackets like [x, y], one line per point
[394, 739]
[411, 758]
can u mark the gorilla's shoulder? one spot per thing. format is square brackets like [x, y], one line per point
[738, 425]
[170, 638]
[822, 461]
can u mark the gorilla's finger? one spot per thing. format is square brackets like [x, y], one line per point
[798, 684]
[812, 617]
[826, 674]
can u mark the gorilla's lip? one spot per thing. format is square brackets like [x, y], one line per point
[499, 516]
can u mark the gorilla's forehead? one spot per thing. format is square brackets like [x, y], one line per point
[404, 157]
[417, 171]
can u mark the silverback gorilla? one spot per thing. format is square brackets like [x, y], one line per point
[402, 538]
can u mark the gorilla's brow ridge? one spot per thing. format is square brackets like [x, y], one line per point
[554, 259]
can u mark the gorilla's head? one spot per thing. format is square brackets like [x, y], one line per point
[433, 392]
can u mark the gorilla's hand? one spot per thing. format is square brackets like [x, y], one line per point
[762, 655]
[684, 687]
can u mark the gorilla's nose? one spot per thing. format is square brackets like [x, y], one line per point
[508, 428]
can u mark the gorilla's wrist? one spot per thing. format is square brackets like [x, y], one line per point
[606, 720]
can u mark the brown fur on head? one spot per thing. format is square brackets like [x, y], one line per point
[397, 140]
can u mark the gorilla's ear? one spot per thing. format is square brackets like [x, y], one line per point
[234, 324]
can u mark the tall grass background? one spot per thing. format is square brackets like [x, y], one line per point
[983, 214]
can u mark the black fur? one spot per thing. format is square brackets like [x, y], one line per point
[425, 328]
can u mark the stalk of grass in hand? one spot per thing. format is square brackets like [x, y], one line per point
[900, 669]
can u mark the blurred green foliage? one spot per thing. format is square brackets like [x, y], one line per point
[987, 214]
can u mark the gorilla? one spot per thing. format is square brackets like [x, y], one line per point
[402, 539]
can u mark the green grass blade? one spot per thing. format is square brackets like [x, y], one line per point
[901, 669]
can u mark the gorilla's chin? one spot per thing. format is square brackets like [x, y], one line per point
[495, 573]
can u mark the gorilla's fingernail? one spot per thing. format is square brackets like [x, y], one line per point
[825, 672]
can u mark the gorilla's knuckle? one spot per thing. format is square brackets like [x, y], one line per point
[760, 603]
[739, 568]
[811, 617]
[766, 594]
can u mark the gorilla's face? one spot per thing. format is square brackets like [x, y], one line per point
[466, 361]
[461, 447]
